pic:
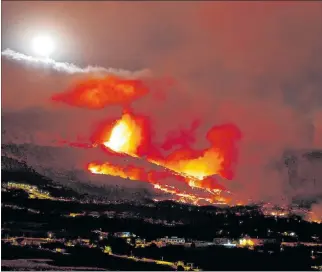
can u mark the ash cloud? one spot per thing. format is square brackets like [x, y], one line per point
[256, 65]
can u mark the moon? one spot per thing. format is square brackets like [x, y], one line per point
[43, 46]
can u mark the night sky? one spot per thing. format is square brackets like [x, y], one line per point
[257, 65]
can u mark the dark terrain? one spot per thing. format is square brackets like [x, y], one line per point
[25, 217]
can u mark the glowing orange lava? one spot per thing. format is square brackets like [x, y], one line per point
[131, 136]
[125, 137]
[199, 167]
[139, 174]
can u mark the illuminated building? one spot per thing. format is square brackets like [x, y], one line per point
[173, 240]
[246, 242]
[220, 241]
[94, 214]
[124, 234]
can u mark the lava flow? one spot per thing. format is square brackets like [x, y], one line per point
[131, 136]
[156, 179]
[196, 166]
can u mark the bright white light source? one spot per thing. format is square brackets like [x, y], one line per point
[43, 46]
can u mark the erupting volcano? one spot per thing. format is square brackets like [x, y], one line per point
[196, 170]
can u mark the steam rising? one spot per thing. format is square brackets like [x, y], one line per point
[70, 68]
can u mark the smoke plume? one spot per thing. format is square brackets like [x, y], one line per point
[255, 65]
[69, 67]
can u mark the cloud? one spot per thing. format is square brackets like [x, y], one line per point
[70, 68]
[255, 65]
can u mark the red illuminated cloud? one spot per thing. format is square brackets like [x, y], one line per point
[97, 93]
[255, 65]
